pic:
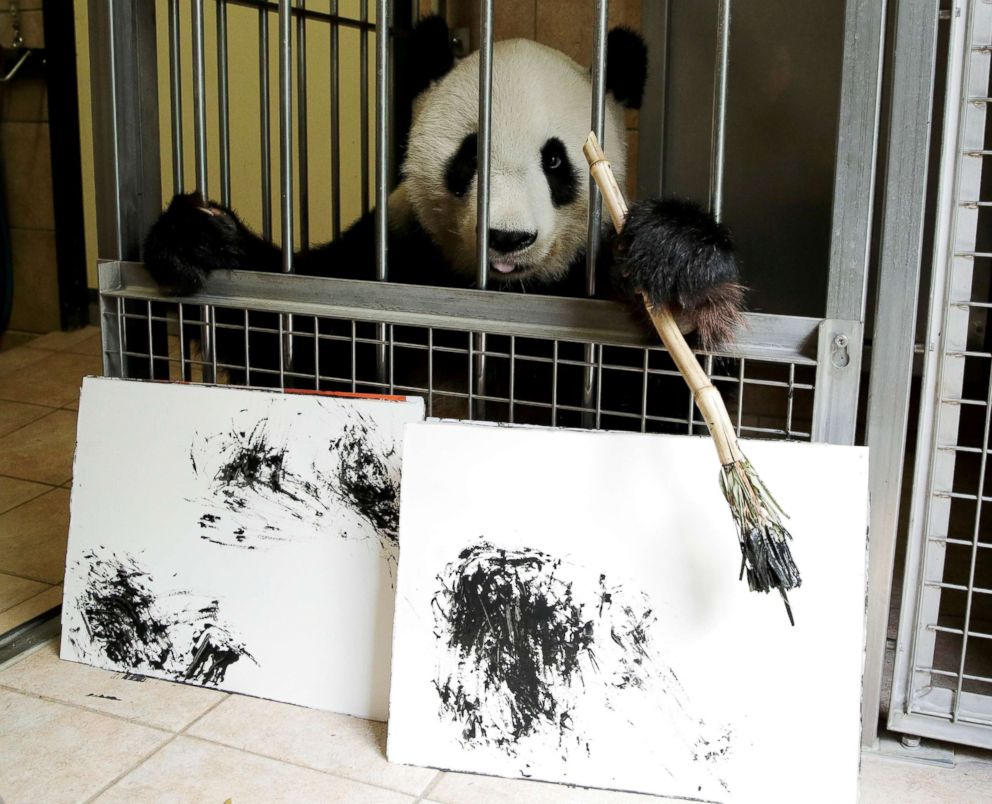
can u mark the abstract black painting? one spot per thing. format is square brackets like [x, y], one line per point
[245, 540]
[568, 610]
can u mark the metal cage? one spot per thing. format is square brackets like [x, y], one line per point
[472, 353]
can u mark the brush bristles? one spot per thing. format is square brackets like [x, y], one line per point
[764, 540]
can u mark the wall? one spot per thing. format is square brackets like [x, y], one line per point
[27, 168]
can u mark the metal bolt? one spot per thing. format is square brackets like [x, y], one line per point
[840, 341]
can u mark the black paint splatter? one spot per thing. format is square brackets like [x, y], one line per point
[526, 637]
[105, 697]
[124, 620]
[518, 635]
[364, 482]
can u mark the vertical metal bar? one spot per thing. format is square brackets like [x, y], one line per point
[644, 391]
[594, 232]
[363, 112]
[893, 341]
[484, 141]
[212, 318]
[127, 158]
[121, 336]
[651, 118]
[792, 394]
[286, 135]
[286, 172]
[740, 394]
[719, 131]
[513, 373]
[200, 153]
[176, 98]
[483, 149]
[151, 357]
[316, 353]
[223, 105]
[554, 385]
[336, 121]
[354, 369]
[265, 138]
[199, 102]
[182, 344]
[382, 162]
[247, 349]
[382, 121]
[301, 122]
[430, 371]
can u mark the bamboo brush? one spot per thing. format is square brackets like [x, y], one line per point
[764, 540]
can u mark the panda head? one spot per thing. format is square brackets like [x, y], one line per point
[539, 187]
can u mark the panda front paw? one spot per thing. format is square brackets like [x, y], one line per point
[674, 252]
[191, 238]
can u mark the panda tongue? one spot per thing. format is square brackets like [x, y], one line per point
[504, 267]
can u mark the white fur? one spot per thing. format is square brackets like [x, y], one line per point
[538, 93]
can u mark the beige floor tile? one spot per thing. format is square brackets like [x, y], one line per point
[42, 450]
[54, 380]
[466, 788]
[65, 341]
[154, 703]
[13, 492]
[93, 345]
[14, 590]
[53, 753]
[13, 360]
[30, 608]
[33, 537]
[190, 770]
[345, 746]
[14, 415]
[887, 781]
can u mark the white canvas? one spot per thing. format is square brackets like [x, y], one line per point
[569, 609]
[244, 540]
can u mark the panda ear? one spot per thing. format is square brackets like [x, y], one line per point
[431, 54]
[626, 66]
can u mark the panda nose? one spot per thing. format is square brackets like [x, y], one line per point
[506, 241]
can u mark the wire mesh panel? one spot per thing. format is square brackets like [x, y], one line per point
[535, 372]
[943, 681]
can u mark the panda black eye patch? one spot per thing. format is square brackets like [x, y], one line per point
[562, 178]
[461, 167]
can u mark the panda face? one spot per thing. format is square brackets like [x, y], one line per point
[539, 188]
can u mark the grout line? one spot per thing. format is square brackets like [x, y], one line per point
[72, 705]
[49, 490]
[50, 410]
[302, 766]
[431, 786]
[29, 577]
[204, 713]
[130, 770]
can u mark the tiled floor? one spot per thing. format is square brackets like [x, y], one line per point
[39, 387]
[73, 733]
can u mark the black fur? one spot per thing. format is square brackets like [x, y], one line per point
[432, 55]
[461, 167]
[626, 66]
[563, 178]
[673, 251]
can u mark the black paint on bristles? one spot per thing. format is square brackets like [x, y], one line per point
[764, 540]
[673, 252]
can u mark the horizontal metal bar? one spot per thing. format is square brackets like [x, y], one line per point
[790, 339]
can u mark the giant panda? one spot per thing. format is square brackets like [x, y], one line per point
[539, 192]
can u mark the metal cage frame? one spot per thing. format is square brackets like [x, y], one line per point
[127, 165]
